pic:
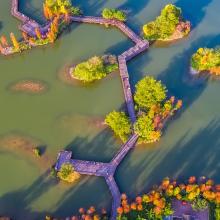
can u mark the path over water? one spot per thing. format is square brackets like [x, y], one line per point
[105, 170]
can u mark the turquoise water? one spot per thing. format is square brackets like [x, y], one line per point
[68, 116]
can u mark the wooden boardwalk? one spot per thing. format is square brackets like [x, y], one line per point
[105, 170]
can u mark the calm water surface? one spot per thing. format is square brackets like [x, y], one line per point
[68, 116]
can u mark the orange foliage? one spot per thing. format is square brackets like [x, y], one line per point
[215, 70]
[38, 33]
[14, 41]
[4, 41]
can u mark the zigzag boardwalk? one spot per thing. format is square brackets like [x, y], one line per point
[105, 170]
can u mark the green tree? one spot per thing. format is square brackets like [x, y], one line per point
[67, 173]
[164, 25]
[144, 127]
[149, 92]
[93, 69]
[120, 124]
[114, 14]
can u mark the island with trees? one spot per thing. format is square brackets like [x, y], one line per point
[153, 109]
[95, 68]
[57, 13]
[168, 26]
[206, 60]
[109, 13]
[67, 173]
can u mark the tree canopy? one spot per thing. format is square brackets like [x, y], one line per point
[120, 124]
[60, 7]
[145, 128]
[67, 173]
[164, 25]
[114, 14]
[93, 69]
[206, 59]
[149, 92]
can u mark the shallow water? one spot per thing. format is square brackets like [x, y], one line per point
[62, 117]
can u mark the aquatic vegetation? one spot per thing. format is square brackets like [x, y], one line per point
[114, 14]
[153, 109]
[206, 59]
[94, 68]
[29, 86]
[120, 124]
[67, 173]
[36, 152]
[168, 26]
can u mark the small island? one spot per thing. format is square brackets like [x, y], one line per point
[168, 26]
[206, 60]
[114, 14]
[67, 173]
[95, 68]
[153, 110]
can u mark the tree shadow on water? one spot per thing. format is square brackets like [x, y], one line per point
[89, 191]
[177, 77]
[193, 10]
[101, 147]
[196, 155]
[17, 204]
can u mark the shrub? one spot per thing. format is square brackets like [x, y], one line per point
[37, 152]
[114, 14]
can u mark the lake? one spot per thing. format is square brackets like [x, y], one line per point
[69, 116]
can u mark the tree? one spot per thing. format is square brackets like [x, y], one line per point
[45, 11]
[114, 14]
[1, 48]
[120, 124]
[25, 36]
[38, 33]
[4, 41]
[93, 69]
[149, 92]
[144, 127]
[67, 173]
[14, 41]
[165, 24]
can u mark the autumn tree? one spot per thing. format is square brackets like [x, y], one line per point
[4, 41]
[14, 41]
[38, 33]
[25, 36]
